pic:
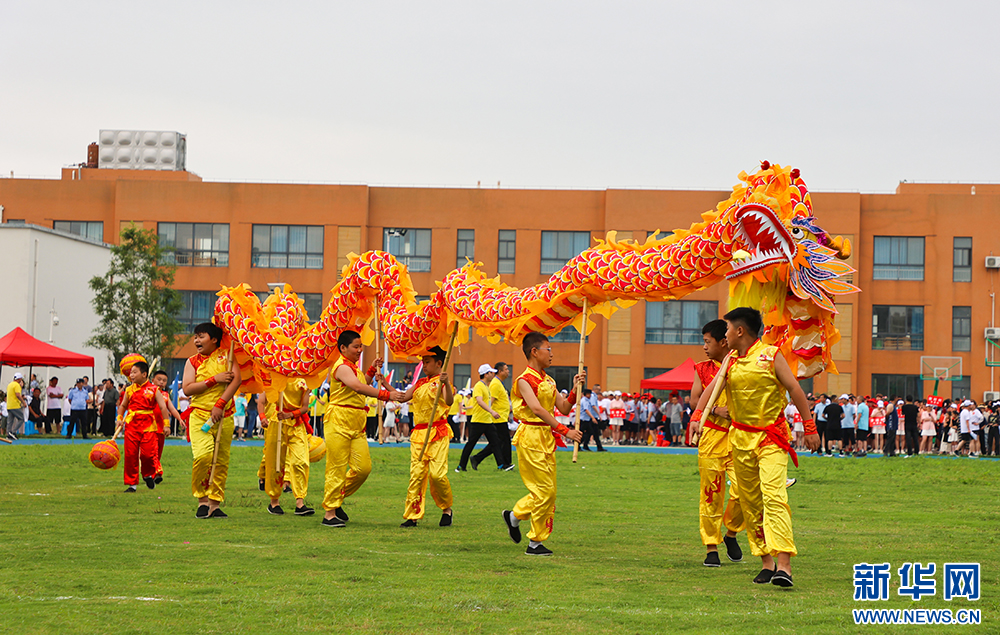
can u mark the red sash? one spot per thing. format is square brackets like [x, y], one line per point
[441, 430]
[776, 433]
[558, 437]
[715, 426]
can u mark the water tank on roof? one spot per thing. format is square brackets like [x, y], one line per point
[141, 150]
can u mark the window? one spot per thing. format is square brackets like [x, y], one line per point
[807, 385]
[462, 375]
[412, 247]
[649, 373]
[562, 375]
[466, 247]
[313, 303]
[898, 386]
[506, 250]
[961, 328]
[897, 328]
[287, 247]
[559, 247]
[898, 258]
[660, 235]
[568, 334]
[678, 321]
[962, 260]
[195, 244]
[398, 371]
[88, 229]
[961, 388]
[198, 307]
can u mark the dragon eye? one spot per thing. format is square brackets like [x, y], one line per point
[797, 233]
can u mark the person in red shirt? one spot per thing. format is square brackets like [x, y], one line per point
[137, 414]
[160, 380]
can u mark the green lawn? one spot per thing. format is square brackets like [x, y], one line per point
[80, 556]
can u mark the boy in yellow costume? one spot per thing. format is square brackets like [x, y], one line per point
[533, 398]
[348, 462]
[755, 383]
[434, 464]
[291, 423]
[715, 457]
[211, 380]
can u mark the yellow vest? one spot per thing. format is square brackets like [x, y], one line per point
[210, 366]
[423, 401]
[544, 388]
[755, 396]
[346, 408]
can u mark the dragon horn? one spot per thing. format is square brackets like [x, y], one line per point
[843, 247]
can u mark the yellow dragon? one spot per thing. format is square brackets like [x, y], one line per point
[763, 239]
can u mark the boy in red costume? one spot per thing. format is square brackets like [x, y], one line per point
[142, 400]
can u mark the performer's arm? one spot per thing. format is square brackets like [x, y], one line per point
[122, 407]
[262, 410]
[347, 377]
[791, 384]
[192, 387]
[162, 403]
[531, 401]
[234, 384]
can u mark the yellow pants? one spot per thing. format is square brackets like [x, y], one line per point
[433, 467]
[202, 447]
[293, 464]
[710, 505]
[348, 464]
[538, 471]
[760, 476]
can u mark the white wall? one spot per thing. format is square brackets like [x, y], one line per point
[65, 264]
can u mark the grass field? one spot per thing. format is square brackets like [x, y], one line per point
[80, 556]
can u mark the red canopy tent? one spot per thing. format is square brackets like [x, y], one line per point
[680, 378]
[17, 348]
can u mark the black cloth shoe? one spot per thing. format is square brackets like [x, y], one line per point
[512, 530]
[218, 513]
[130, 489]
[445, 520]
[764, 576]
[158, 479]
[260, 484]
[305, 510]
[712, 559]
[148, 480]
[409, 523]
[585, 448]
[474, 463]
[341, 514]
[333, 522]
[538, 550]
[782, 579]
[733, 551]
[275, 509]
[287, 489]
[202, 511]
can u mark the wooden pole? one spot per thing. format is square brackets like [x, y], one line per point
[278, 467]
[721, 379]
[579, 370]
[218, 433]
[437, 396]
[378, 349]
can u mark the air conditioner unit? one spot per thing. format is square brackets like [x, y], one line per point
[992, 333]
[993, 262]
[991, 395]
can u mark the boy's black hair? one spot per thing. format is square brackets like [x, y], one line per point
[531, 341]
[346, 338]
[586, 392]
[211, 330]
[715, 328]
[142, 366]
[746, 317]
[161, 372]
[437, 352]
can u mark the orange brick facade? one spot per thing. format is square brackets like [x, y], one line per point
[354, 218]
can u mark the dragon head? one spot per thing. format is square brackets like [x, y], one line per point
[787, 266]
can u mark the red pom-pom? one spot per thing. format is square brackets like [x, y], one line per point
[765, 165]
[794, 174]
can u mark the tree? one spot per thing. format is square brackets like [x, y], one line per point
[135, 300]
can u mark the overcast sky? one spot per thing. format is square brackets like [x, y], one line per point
[859, 95]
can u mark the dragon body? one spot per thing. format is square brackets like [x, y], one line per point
[763, 239]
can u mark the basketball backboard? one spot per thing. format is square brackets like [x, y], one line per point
[940, 368]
